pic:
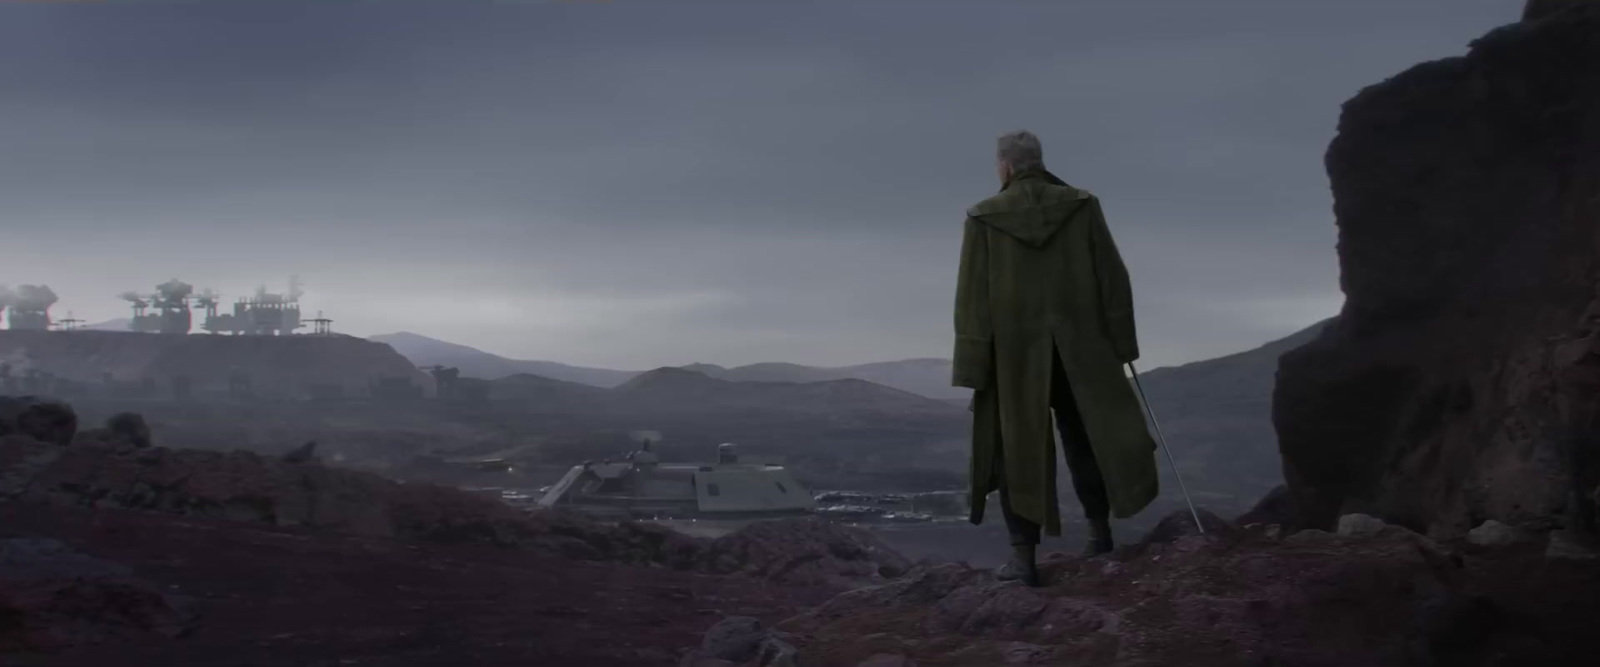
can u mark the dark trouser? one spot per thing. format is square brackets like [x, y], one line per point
[1086, 479]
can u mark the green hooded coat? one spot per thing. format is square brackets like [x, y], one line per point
[1040, 276]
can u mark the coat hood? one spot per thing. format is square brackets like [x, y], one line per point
[1032, 207]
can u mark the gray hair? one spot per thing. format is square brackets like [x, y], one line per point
[1020, 150]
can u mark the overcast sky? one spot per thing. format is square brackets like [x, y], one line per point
[637, 184]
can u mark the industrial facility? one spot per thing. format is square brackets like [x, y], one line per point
[264, 314]
[169, 310]
[28, 307]
[170, 304]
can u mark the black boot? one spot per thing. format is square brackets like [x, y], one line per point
[1021, 566]
[1099, 538]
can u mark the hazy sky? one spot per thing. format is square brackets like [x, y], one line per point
[636, 184]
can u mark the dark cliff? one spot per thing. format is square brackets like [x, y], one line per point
[1460, 381]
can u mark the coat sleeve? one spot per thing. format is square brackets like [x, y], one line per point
[974, 353]
[1116, 292]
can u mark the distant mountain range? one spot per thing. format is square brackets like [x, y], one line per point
[681, 390]
[473, 362]
[684, 393]
[929, 378]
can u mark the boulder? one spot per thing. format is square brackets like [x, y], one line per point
[130, 428]
[1359, 525]
[736, 639]
[1492, 533]
[1181, 524]
[42, 419]
[742, 640]
[774, 652]
[124, 429]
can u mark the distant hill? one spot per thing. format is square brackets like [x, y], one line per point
[779, 372]
[544, 394]
[425, 351]
[711, 370]
[926, 377]
[680, 390]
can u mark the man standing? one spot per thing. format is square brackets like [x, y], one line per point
[1044, 321]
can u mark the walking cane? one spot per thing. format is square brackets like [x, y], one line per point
[1146, 400]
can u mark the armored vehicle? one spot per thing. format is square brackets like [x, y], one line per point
[641, 486]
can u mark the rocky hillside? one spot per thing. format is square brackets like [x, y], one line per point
[1458, 384]
[276, 365]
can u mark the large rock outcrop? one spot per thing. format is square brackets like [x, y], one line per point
[1459, 382]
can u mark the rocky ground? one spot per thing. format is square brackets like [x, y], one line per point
[113, 553]
[1371, 595]
[268, 596]
[117, 553]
